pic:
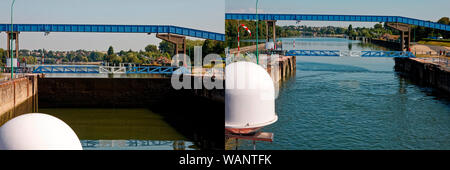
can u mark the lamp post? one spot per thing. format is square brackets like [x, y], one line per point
[11, 41]
[257, 54]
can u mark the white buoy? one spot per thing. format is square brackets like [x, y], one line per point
[37, 131]
[249, 98]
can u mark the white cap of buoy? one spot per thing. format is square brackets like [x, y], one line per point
[37, 131]
[249, 96]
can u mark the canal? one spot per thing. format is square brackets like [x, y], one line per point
[354, 103]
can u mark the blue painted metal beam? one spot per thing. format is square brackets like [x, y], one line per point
[96, 69]
[151, 70]
[399, 54]
[350, 18]
[114, 29]
[331, 53]
[337, 53]
[66, 69]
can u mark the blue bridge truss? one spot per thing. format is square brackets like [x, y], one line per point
[351, 18]
[114, 29]
[313, 53]
[66, 69]
[405, 54]
[97, 69]
[337, 53]
[151, 70]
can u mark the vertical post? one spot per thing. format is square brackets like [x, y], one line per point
[16, 38]
[239, 48]
[12, 32]
[257, 19]
[409, 39]
[402, 41]
[274, 35]
[267, 31]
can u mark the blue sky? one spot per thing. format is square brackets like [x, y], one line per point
[420, 9]
[199, 14]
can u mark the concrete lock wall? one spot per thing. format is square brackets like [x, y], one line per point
[17, 97]
[424, 73]
[106, 92]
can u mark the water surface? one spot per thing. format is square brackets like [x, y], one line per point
[354, 103]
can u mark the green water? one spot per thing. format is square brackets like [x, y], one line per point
[112, 129]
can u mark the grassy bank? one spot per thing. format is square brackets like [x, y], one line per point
[435, 42]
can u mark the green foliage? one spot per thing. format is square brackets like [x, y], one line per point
[131, 57]
[213, 47]
[115, 59]
[96, 56]
[110, 50]
[151, 48]
[167, 47]
[378, 26]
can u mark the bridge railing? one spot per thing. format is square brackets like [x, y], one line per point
[405, 54]
[66, 69]
[346, 18]
[337, 53]
[151, 70]
[104, 69]
[313, 52]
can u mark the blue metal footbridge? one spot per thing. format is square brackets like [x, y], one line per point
[108, 69]
[348, 18]
[46, 28]
[337, 53]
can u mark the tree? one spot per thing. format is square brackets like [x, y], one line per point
[167, 47]
[378, 26]
[96, 56]
[78, 58]
[115, 59]
[131, 57]
[71, 57]
[110, 50]
[444, 20]
[84, 59]
[151, 48]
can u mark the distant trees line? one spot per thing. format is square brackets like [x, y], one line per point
[165, 50]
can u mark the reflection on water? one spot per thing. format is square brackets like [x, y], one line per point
[111, 129]
[136, 145]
